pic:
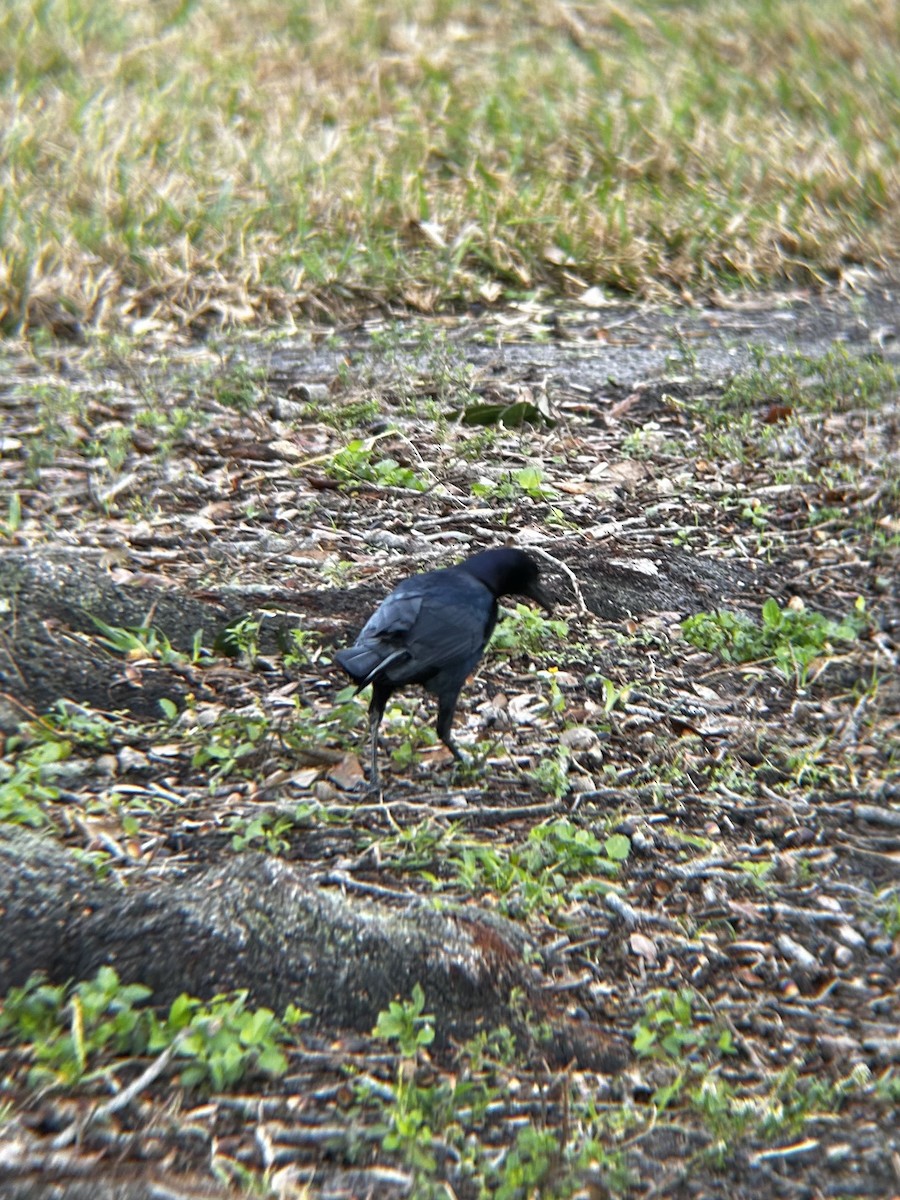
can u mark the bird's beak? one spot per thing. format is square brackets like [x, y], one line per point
[536, 592]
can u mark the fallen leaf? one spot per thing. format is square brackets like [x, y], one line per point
[594, 297]
[348, 773]
[305, 778]
[643, 947]
[776, 413]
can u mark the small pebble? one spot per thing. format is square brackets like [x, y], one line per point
[578, 737]
[132, 760]
[843, 956]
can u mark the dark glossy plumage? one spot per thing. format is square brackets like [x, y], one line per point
[432, 630]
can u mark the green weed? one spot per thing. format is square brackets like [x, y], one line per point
[670, 1030]
[221, 1042]
[304, 650]
[527, 481]
[240, 639]
[552, 773]
[525, 630]
[239, 385]
[141, 642]
[792, 638]
[836, 381]
[233, 745]
[73, 1034]
[358, 462]
[407, 1130]
[559, 863]
[266, 832]
[406, 1023]
[428, 373]
[416, 1111]
[13, 520]
[26, 787]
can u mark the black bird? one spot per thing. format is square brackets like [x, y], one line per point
[432, 630]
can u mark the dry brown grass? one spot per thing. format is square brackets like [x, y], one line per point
[238, 164]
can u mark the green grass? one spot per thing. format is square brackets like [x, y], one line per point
[193, 165]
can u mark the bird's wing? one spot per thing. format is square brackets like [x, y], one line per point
[430, 623]
[449, 635]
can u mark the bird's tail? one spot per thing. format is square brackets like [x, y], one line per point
[364, 663]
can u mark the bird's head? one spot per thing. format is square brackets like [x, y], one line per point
[508, 572]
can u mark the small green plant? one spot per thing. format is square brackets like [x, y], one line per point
[783, 1109]
[240, 639]
[793, 638]
[556, 701]
[528, 1165]
[887, 1088]
[267, 831]
[428, 371]
[304, 649]
[111, 446]
[783, 397]
[757, 870]
[552, 773]
[346, 412]
[417, 846]
[490, 1048]
[478, 445]
[684, 357]
[528, 481]
[338, 571]
[669, 1029]
[138, 643]
[614, 695]
[550, 1163]
[568, 848]
[233, 745]
[239, 384]
[57, 426]
[525, 630]
[79, 726]
[167, 424]
[26, 779]
[793, 1101]
[400, 722]
[223, 1040]
[358, 463]
[887, 911]
[13, 519]
[69, 1028]
[35, 761]
[407, 1130]
[829, 382]
[406, 1023]
[559, 862]
[73, 1033]
[758, 514]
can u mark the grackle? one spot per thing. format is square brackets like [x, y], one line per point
[432, 630]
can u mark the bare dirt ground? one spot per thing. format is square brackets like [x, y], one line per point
[742, 955]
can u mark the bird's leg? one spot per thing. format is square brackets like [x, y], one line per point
[444, 723]
[373, 737]
[380, 697]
